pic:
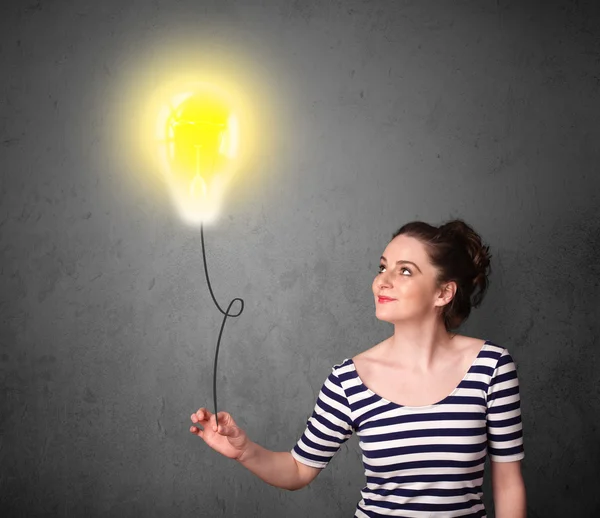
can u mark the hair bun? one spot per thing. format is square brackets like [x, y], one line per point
[478, 252]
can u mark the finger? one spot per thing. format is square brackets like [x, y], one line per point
[227, 425]
[202, 414]
[224, 417]
[196, 431]
[198, 417]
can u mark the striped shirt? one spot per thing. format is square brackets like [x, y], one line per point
[420, 461]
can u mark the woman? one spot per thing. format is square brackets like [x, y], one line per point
[427, 405]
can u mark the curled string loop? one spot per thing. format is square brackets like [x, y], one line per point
[225, 313]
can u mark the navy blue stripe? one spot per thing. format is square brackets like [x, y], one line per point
[310, 456]
[323, 420]
[504, 422]
[507, 358]
[504, 393]
[375, 412]
[474, 384]
[505, 451]
[320, 447]
[346, 376]
[408, 506]
[336, 397]
[433, 432]
[415, 418]
[464, 400]
[335, 412]
[506, 437]
[431, 491]
[441, 477]
[501, 378]
[356, 389]
[326, 437]
[360, 404]
[490, 354]
[500, 409]
[372, 514]
[482, 369]
[423, 464]
[425, 448]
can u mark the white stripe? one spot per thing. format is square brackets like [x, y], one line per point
[423, 441]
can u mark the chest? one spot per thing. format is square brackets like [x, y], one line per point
[407, 388]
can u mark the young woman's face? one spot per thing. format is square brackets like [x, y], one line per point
[407, 277]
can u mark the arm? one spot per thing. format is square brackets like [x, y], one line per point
[505, 439]
[329, 426]
[509, 490]
[277, 468]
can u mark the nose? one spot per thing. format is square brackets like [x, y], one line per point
[383, 281]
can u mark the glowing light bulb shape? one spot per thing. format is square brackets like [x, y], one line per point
[197, 134]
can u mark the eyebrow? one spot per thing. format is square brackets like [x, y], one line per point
[403, 261]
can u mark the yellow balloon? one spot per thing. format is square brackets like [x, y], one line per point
[197, 136]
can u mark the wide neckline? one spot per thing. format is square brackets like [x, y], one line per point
[422, 407]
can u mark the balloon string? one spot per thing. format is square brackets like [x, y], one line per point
[225, 313]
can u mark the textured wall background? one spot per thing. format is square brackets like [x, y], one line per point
[383, 112]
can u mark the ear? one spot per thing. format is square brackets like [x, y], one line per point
[446, 293]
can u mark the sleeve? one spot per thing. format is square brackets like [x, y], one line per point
[329, 426]
[504, 426]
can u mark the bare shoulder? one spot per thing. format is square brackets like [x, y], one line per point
[468, 343]
[372, 355]
[466, 349]
[365, 355]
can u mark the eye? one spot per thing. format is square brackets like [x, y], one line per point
[402, 268]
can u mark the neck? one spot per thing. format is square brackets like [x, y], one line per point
[419, 347]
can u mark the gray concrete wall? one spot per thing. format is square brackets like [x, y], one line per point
[374, 114]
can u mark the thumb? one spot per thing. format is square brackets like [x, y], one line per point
[229, 431]
[224, 420]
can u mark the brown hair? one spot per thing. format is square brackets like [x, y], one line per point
[459, 255]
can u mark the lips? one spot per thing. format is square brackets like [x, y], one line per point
[385, 299]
